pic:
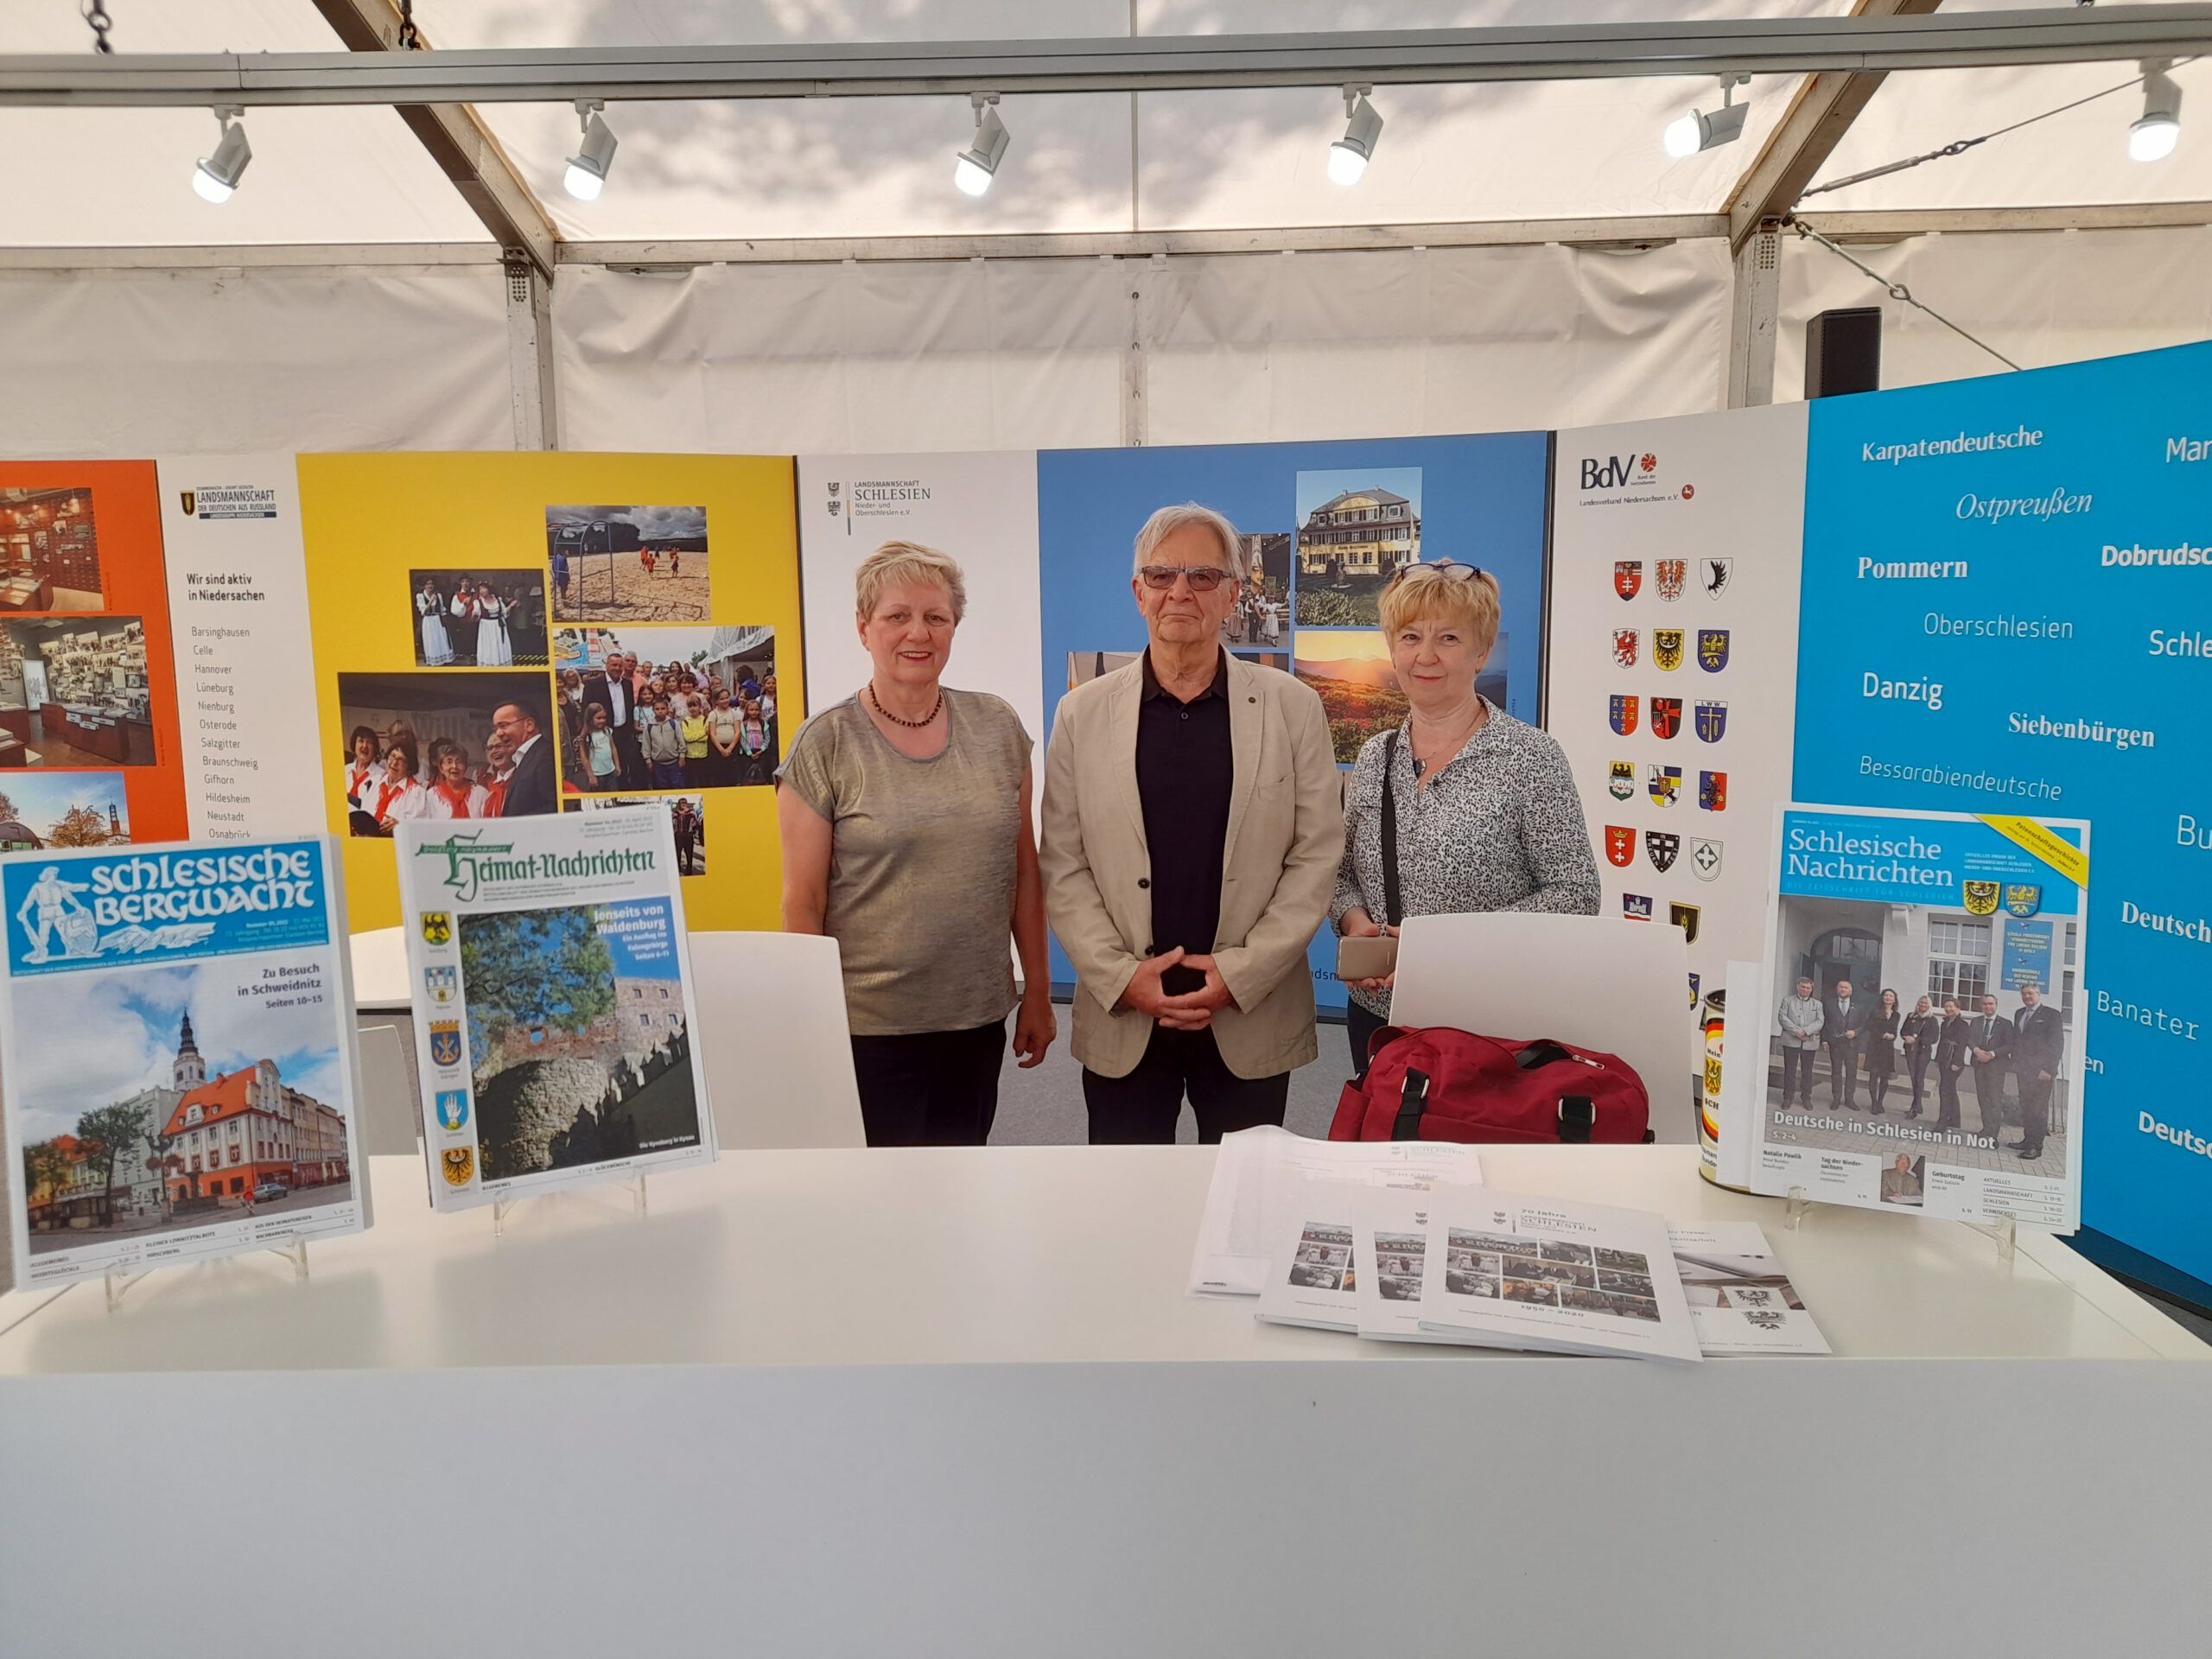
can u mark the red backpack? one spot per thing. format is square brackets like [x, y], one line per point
[1440, 1084]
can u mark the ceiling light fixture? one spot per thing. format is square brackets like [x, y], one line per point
[218, 175]
[2153, 137]
[1349, 155]
[978, 164]
[587, 173]
[1695, 131]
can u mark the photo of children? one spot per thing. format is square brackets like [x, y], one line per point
[479, 618]
[444, 745]
[627, 564]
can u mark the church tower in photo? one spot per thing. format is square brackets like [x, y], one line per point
[191, 1071]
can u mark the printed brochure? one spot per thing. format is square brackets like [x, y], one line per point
[1741, 1300]
[553, 999]
[1919, 1044]
[180, 1079]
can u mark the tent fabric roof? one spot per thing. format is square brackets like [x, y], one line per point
[1106, 162]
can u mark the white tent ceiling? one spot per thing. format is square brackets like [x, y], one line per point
[1102, 163]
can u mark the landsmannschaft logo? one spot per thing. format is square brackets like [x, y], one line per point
[1666, 716]
[188, 499]
[445, 1042]
[437, 927]
[461, 853]
[2023, 898]
[1664, 784]
[1716, 574]
[1635, 906]
[1981, 898]
[1624, 640]
[1662, 847]
[1620, 846]
[1666, 648]
[1620, 779]
[1628, 577]
[1713, 649]
[453, 1109]
[1623, 714]
[1671, 574]
[1710, 720]
[1713, 791]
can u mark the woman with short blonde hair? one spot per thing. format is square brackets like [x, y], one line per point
[1485, 816]
[906, 827]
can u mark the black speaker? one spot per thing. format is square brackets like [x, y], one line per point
[1843, 352]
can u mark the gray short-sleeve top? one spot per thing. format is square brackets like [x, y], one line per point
[921, 861]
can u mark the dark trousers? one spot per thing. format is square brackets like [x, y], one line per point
[1141, 1108]
[1359, 1026]
[1843, 1082]
[1989, 1095]
[1796, 1074]
[1948, 1094]
[2034, 1110]
[930, 1087]
[1919, 1064]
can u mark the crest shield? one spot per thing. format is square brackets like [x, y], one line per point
[1710, 721]
[1664, 784]
[1635, 906]
[445, 1042]
[1684, 917]
[1981, 898]
[1705, 858]
[1624, 647]
[1620, 779]
[1666, 648]
[1666, 716]
[2023, 898]
[1623, 714]
[1712, 791]
[1671, 573]
[1628, 577]
[1620, 846]
[1713, 649]
[1715, 575]
[1662, 849]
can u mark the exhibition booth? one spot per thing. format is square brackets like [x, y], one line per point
[502, 1183]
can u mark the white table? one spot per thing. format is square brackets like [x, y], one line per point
[959, 1401]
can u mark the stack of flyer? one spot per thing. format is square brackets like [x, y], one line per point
[1401, 1242]
[556, 1021]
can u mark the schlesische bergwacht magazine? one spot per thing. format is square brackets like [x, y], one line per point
[555, 1022]
[181, 1081]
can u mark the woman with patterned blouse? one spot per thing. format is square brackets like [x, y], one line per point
[1487, 814]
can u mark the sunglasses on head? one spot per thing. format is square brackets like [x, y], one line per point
[1444, 569]
[1204, 578]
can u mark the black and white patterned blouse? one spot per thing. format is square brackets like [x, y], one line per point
[1500, 828]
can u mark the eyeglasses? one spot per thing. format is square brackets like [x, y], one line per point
[1443, 569]
[1204, 578]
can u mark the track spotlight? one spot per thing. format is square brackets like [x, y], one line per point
[1349, 155]
[2153, 137]
[218, 175]
[1696, 130]
[979, 163]
[587, 173]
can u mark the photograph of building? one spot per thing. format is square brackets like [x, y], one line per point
[184, 1150]
[1354, 534]
[74, 693]
[63, 809]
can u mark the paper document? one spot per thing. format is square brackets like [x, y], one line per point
[1257, 1175]
[1741, 1300]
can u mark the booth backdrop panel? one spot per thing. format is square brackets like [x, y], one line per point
[94, 584]
[2023, 630]
[374, 523]
[195, 362]
[1310, 346]
[843, 358]
[1715, 520]
[1478, 499]
[2040, 297]
[237, 586]
[981, 508]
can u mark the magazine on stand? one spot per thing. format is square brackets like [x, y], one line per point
[180, 1079]
[1970, 1110]
[1258, 1181]
[1741, 1300]
[1507, 1271]
[554, 1014]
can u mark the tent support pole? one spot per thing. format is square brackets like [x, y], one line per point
[1755, 307]
[530, 353]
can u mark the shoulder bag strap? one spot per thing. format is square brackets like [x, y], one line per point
[1391, 912]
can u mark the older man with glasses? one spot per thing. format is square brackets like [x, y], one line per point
[1192, 827]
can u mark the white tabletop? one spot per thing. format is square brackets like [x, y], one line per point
[1004, 1255]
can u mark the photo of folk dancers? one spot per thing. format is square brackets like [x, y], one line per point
[479, 618]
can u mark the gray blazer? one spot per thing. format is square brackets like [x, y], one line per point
[1286, 835]
[1800, 1013]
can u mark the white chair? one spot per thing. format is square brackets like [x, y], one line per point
[391, 1116]
[380, 983]
[1597, 982]
[778, 1054]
